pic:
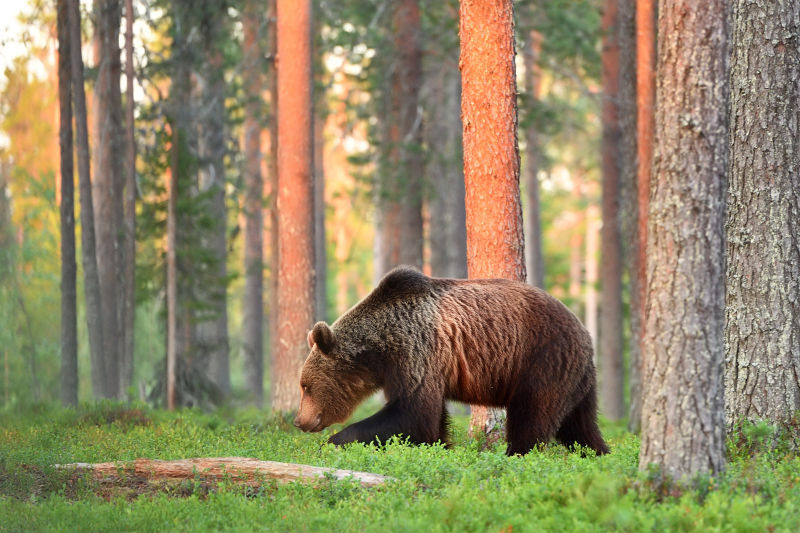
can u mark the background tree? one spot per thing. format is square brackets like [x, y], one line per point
[495, 246]
[610, 357]
[69, 298]
[683, 410]
[295, 218]
[645, 127]
[762, 339]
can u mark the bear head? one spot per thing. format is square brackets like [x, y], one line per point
[332, 383]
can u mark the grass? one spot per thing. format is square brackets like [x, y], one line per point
[437, 489]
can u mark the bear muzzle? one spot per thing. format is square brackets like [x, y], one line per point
[309, 426]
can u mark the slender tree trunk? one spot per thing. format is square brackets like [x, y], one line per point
[611, 376]
[534, 259]
[645, 127]
[88, 249]
[128, 285]
[762, 330]
[495, 245]
[212, 329]
[107, 183]
[69, 298]
[590, 259]
[253, 313]
[683, 408]
[627, 168]
[295, 190]
[272, 173]
[445, 170]
[401, 239]
[172, 271]
[320, 245]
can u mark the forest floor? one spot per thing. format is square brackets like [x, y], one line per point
[435, 489]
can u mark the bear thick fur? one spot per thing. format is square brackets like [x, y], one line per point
[426, 340]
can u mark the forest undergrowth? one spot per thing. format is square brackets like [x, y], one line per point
[463, 488]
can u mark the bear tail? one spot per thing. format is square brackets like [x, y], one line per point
[580, 425]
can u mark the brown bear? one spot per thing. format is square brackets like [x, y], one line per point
[427, 340]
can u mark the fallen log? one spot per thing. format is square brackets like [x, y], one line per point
[240, 470]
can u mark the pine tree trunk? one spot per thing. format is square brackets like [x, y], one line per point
[645, 127]
[88, 248]
[610, 356]
[295, 200]
[128, 284]
[107, 182]
[627, 170]
[320, 244]
[495, 245]
[534, 258]
[762, 332]
[272, 173]
[683, 408]
[253, 312]
[590, 268]
[69, 298]
[445, 171]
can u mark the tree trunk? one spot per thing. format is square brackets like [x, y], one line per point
[645, 126]
[107, 183]
[253, 313]
[295, 190]
[611, 373]
[495, 245]
[762, 331]
[445, 170]
[88, 249]
[128, 285]
[212, 326]
[69, 299]
[272, 173]
[591, 302]
[401, 239]
[683, 408]
[534, 259]
[627, 169]
[320, 244]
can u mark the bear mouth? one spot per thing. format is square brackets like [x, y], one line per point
[318, 426]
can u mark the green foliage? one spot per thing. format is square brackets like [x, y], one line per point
[436, 489]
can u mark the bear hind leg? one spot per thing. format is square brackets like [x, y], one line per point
[580, 425]
[531, 420]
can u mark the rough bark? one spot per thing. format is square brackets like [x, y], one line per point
[91, 281]
[495, 245]
[683, 407]
[212, 347]
[295, 217]
[253, 313]
[610, 356]
[762, 330]
[401, 238]
[69, 298]
[239, 470]
[128, 285]
[534, 258]
[444, 170]
[107, 183]
[627, 174]
[645, 126]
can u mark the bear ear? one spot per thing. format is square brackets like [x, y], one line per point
[322, 336]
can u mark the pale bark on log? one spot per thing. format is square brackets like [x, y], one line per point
[240, 470]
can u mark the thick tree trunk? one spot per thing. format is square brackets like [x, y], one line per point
[107, 184]
[534, 258]
[128, 269]
[445, 170]
[88, 249]
[69, 299]
[212, 326]
[627, 170]
[762, 331]
[401, 239]
[253, 312]
[683, 407]
[295, 199]
[645, 127]
[610, 357]
[495, 245]
[240, 470]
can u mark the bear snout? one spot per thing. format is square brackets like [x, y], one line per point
[309, 426]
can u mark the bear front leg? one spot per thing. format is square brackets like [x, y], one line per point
[395, 418]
